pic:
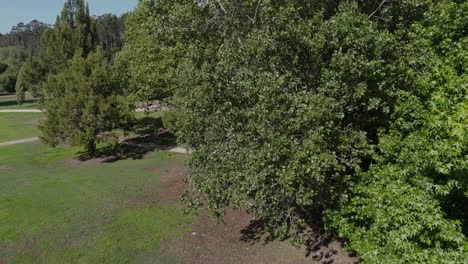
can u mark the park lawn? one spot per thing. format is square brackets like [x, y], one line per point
[54, 209]
[10, 103]
[15, 126]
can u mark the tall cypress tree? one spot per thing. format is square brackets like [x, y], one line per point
[74, 29]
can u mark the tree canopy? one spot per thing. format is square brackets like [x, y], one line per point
[83, 106]
[351, 111]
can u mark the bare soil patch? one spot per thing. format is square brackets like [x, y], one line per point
[172, 184]
[212, 242]
[5, 168]
[166, 191]
[228, 242]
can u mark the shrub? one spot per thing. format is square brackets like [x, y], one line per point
[7, 83]
[169, 120]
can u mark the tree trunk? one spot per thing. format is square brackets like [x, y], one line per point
[91, 148]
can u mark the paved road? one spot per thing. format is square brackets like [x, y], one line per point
[20, 141]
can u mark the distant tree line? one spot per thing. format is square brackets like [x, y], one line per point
[27, 40]
[25, 36]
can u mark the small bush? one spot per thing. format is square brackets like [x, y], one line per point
[3, 67]
[7, 83]
[169, 120]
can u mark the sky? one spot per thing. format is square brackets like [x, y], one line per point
[14, 11]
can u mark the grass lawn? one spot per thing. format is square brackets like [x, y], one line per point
[10, 103]
[15, 126]
[54, 209]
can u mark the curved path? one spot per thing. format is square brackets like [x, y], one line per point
[19, 141]
[21, 111]
[174, 149]
[8, 96]
[139, 110]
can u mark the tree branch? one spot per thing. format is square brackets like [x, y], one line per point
[221, 6]
[378, 8]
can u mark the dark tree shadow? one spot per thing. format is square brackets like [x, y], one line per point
[149, 136]
[455, 203]
[318, 245]
[13, 102]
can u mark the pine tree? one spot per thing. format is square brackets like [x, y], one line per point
[20, 88]
[84, 106]
[74, 29]
[31, 76]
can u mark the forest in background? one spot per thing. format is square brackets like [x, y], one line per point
[23, 44]
[349, 117]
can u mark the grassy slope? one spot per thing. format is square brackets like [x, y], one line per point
[55, 212]
[18, 125]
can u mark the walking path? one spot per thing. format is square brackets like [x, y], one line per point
[174, 149]
[8, 96]
[40, 111]
[21, 111]
[20, 141]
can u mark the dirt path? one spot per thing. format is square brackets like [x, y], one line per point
[179, 150]
[21, 111]
[174, 149]
[40, 111]
[19, 141]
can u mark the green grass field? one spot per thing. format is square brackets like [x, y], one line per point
[55, 211]
[24, 125]
[57, 208]
[15, 126]
[10, 103]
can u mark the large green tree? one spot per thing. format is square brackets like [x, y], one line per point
[286, 112]
[416, 193]
[152, 52]
[353, 111]
[83, 105]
